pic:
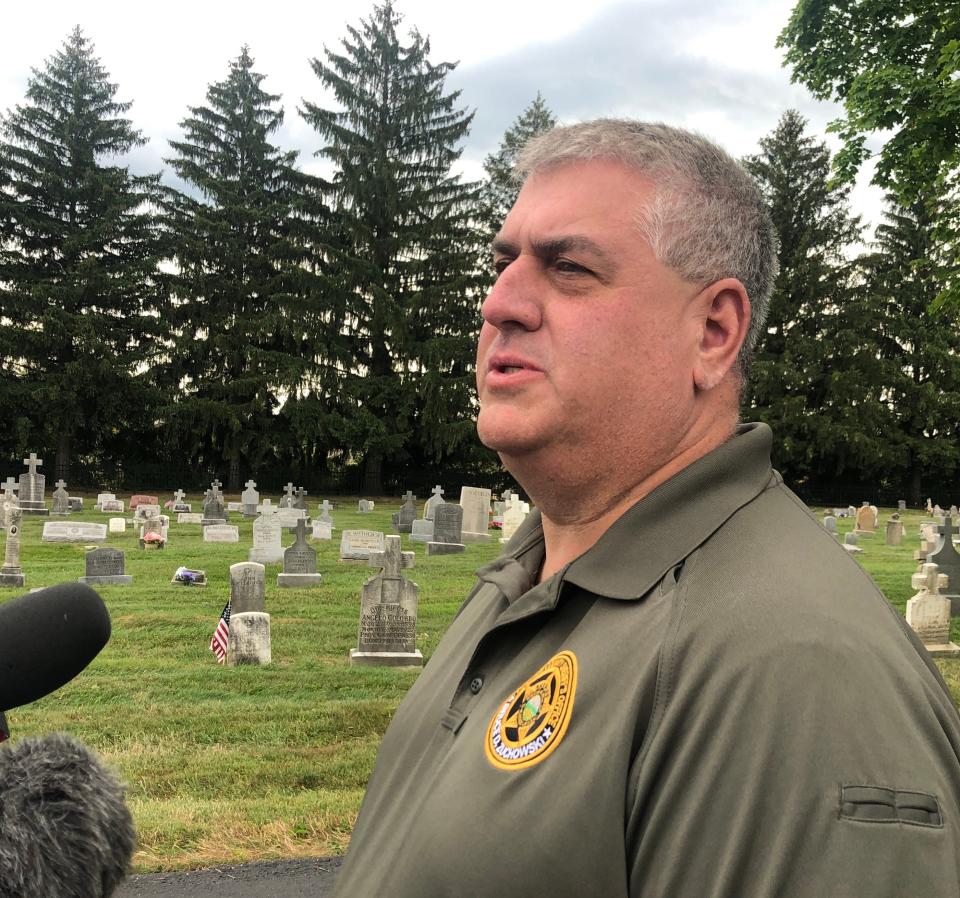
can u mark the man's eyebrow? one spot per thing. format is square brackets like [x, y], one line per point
[553, 247]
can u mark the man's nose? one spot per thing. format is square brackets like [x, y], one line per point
[514, 301]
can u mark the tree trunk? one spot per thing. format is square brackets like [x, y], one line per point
[915, 484]
[61, 465]
[372, 471]
[233, 476]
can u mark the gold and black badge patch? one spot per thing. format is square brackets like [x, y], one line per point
[533, 719]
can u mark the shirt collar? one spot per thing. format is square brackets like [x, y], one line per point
[656, 533]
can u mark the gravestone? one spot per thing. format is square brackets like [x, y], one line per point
[408, 513]
[388, 613]
[953, 511]
[876, 515]
[431, 503]
[866, 523]
[153, 532]
[325, 516]
[32, 486]
[69, 532]
[289, 517]
[75, 503]
[234, 506]
[447, 530]
[101, 498]
[286, 501]
[359, 545]
[267, 548]
[214, 511]
[11, 573]
[476, 514]
[61, 499]
[10, 487]
[929, 505]
[365, 506]
[184, 576]
[301, 501]
[144, 513]
[850, 543]
[894, 534]
[851, 511]
[901, 505]
[299, 562]
[321, 530]
[947, 560]
[189, 517]
[140, 499]
[249, 639]
[830, 522]
[112, 506]
[106, 566]
[117, 525]
[250, 499]
[221, 533]
[422, 530]
[513, 517]
[178, 504]
[247, 587]
[928, 612]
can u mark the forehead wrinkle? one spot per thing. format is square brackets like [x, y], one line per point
[551, 247]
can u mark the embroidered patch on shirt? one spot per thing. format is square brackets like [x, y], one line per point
[533, 719]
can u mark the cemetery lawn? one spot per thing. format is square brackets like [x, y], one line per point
[228, 765]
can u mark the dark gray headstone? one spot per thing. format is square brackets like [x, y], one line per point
[105, 565]
[247, 587]
[299, 562]
[947, 560]
[448, 523]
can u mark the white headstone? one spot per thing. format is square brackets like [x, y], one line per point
[359, 545]
[321, 530]
[70, 532]
[221, 533]
[118, 525]
[475, 502]
[185, 517]
[928, 612]
[267, 547]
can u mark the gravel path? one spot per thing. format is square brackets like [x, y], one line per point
[309, 878]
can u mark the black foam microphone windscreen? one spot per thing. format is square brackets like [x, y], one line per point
[47, 638]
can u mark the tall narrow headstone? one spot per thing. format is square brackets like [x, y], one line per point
[947, 560]
[10, 487]
[300, 500]
[408, 513]
[32, 485]
[894, 534]
[476, 514]
[928, 612]
[247, 587]
[388, 612]
[866, 522]
[325, 516]
[249, 640]
[11, 574]
[287, 500]
[214, 511]
[250, 499]
[61, 499]
[901, 505]
[299, 562]
[513, 517]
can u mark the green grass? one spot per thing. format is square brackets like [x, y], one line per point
[236, 764]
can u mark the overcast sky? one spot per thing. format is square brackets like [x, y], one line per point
[710, 65]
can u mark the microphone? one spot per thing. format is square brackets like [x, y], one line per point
[46, 639]
[65, 830]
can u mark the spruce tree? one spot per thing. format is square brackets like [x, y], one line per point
[79, 284]
[405, 306]
[805, 360]
[242, 294]
[918, 348]
[500, 189]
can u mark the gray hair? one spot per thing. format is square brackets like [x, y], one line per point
[707, 220]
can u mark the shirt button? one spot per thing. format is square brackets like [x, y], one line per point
[476, 684]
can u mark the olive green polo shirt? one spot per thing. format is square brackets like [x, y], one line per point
[714, 700]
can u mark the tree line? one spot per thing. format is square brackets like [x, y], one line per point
[258, 319]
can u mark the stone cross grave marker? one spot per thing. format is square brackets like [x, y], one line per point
[249, 639]
[947, 560]
[250, 499]
[476, 514]
[928, 612]
[11, 573]
[301, 499]
[408, 513]
[214, 511]
[61, 499]
[267, 548]
[179, 504]
[287, 500]
[447, 530]
[325, 516]
[299, 562]
[431, 503]
[105, 565]
[388, 612]
[32, 485]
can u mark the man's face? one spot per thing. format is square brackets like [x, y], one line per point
[588, 342]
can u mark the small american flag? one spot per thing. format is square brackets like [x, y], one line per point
[218, 644]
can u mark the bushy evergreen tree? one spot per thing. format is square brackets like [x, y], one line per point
[405, 258]
[244, 293]
[79, 284]
[813, 352]
[500, 189]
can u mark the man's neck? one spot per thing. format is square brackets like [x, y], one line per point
[577, 512]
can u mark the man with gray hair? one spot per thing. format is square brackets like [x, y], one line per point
[673, 682]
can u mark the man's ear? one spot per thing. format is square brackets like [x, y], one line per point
[725, 308]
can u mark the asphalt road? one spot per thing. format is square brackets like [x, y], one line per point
[308, 878]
